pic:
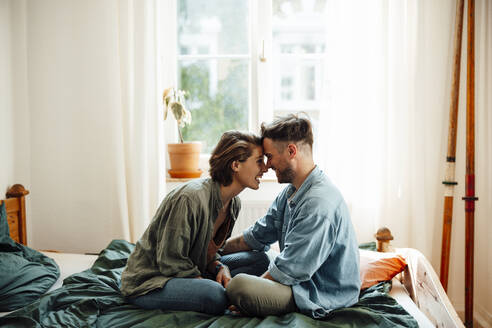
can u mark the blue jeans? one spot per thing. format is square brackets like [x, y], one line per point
[186, 294]
[201, 295]
[253, 262]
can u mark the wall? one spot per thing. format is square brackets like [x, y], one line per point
[14, 114]
[76, 198]
[6, 107]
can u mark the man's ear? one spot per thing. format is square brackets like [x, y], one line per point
[292, 149]
[235, 166]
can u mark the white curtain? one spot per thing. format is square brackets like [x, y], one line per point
[386, 99]
[383, 131]
[147, 58]
[140, 82]
[95, 78]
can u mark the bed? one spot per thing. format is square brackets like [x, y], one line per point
[87, 294]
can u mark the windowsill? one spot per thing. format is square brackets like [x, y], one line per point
[204, 166]
[177, 180]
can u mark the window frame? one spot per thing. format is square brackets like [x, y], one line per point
[262, 104]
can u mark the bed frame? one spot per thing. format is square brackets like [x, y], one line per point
[425, 289]
[15, 204]
[419, 278]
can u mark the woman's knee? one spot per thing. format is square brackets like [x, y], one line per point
[214, 299]
[263, 260]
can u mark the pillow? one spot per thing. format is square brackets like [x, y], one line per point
[376, 267]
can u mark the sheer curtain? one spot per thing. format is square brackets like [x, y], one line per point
[386, 97]
[95, 77]
[383, 130]
[139, 54]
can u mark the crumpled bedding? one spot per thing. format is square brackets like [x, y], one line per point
[92, 299]
[25, 274]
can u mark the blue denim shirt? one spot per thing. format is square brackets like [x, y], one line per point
[319, 254]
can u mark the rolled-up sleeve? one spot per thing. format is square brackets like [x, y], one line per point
[308, 243]
[175, 239]
[265, 231]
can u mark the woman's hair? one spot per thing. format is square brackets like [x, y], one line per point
[232, 146]
[291, 128]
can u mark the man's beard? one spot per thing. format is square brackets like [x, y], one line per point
[286, 175]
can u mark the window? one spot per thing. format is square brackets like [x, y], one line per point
[298, 56]
[220, 44]
[215, 66]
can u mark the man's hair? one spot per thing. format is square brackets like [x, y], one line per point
[232, 146]
[290, 128]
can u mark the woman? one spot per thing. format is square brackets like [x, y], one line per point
[177, 253]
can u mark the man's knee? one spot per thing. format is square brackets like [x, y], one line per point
[238, 287]
[256, 296]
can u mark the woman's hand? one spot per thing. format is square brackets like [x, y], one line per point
[223, 276]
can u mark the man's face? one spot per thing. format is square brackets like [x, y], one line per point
[278, 160]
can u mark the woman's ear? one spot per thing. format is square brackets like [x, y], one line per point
[235, 166]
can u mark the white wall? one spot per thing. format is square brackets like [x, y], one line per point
[75, 197]
[14, 114]
[6, 108]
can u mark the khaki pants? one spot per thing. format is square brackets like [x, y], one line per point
[255, 296]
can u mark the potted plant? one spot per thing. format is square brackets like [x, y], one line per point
[184, 156]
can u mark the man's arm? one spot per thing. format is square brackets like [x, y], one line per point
[235, 244]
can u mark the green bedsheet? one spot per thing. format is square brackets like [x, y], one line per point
[25, 274]
[92, 299]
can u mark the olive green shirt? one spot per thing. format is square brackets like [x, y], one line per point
[176, 241]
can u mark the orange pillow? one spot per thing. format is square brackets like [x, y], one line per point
[376, 267]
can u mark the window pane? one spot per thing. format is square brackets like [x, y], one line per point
[298, 26]
[297, 83]
[218, 99]
[213, 27]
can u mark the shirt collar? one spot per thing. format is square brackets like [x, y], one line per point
[217, 201]
[305, 186]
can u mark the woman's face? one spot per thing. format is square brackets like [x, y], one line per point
[250, 171]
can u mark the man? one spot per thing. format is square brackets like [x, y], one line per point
[317, 269]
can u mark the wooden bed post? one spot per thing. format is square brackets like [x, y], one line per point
[449, 180]
[470, 166]
[18, 191]
[383, 237]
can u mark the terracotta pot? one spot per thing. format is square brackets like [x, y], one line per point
[184, 159]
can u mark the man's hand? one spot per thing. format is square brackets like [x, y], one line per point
[223, 276]
[234, 245]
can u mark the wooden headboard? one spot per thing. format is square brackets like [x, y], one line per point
[15, 204]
